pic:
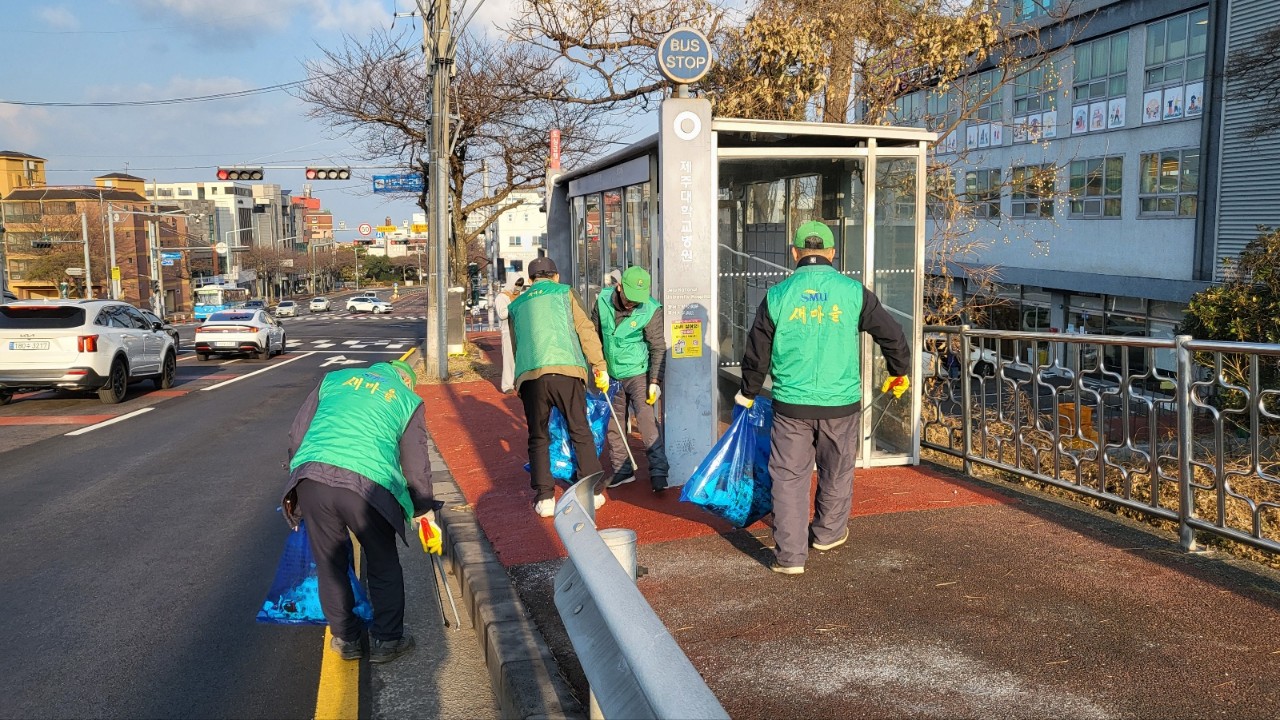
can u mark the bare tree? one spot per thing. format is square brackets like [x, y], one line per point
[1253, 74]
[505, 95]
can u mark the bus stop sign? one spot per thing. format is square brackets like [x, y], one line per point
[684, 55]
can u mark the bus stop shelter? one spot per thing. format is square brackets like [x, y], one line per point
[709, 206]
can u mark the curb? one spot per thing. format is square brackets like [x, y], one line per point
[526, 678]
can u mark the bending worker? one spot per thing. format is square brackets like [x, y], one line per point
[500, 305]
[359, 464]
[630, 325]
[556, 350]
[806, 335]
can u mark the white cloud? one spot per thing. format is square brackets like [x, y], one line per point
[21, 127]
[58, 18]
[225, 15]
[354, 17]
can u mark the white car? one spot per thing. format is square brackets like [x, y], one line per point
[369, 304]
[98, 345]
[320, 304]
[287, 308]
[351, 301]
[240, 331]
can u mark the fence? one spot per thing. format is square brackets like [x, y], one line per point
[1179, 429]
[634, 666]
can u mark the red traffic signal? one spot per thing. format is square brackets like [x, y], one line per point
[328, 173]
[240, 173]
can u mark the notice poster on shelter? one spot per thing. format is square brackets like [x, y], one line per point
[686, 339]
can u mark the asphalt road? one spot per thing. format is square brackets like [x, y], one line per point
[136, 555]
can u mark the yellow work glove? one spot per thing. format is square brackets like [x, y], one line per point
[899, 384]
[429, 534]
[655, 392]
[743, 400]
[602, 381]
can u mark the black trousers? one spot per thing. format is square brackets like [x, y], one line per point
[329, 513]
[569, 395]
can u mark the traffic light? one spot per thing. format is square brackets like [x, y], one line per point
[473, 275]
[328, 173]
[239, 173]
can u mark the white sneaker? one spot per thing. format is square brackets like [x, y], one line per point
[600, 501]
[545, 508]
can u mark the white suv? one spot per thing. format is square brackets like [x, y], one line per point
[361, 298]
[98, 345]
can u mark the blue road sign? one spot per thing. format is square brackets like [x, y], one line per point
[684, 55]
[408, 183]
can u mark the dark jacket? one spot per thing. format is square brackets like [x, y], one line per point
[653, 335]
[415, 462]
[874, 320]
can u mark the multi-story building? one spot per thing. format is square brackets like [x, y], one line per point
[520, 232]
[51, 230]
[1111, 182]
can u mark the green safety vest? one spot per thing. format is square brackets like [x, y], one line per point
[816, 358]
[542, 320]
[357, 426]
[625, 349]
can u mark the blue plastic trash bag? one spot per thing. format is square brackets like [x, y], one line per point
[563, 458]
[294, 598]
[733, 481]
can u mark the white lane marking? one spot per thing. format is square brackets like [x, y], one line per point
[228, 362]
[394, 346]
[340, 360]
[238, 378]
[112, 421]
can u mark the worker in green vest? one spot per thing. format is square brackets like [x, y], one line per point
[806, 335]
[557, 352]
[359, 465]
[629, 321]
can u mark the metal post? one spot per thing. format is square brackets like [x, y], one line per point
[1186, 536]
[491, 249]
[114, 289]
[439, 45]
[622, 543]
[164, 305]
[88, 272]
[966, 401]
[4, 259]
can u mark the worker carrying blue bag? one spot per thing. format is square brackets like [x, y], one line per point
[732, 482]
[563, 457]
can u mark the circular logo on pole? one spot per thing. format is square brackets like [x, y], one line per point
[687, 125]
[365, 229]
[221, 248]
[684, 55]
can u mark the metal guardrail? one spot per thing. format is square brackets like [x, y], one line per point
[1179, 429]
[634, 666]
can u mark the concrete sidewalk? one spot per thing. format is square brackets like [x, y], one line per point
[953, 598]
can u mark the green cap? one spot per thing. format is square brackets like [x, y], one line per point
[406, 368]
[635, 284]
[818, 229]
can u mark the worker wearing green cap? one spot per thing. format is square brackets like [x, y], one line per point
[807, 335]
[629, 322]
[358, 464]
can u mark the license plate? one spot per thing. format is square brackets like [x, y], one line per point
[224, 344]
[28, 344]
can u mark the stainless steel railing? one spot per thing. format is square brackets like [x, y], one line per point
[1179, 429]
[633, 665]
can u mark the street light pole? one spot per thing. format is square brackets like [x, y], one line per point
[113, 288]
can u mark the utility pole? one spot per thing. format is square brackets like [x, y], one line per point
[113, 289]
[491, 249]
[436, 38]
[88, 272]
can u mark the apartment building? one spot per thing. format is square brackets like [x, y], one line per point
[520, 232]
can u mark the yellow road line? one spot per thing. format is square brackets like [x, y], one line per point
[338, 695]
[408, 352]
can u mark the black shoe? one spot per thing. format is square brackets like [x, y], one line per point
[622, 478]
[658, 483]
[346, 649]
[384, 651]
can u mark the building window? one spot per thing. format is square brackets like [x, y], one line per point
[908, 109]
[1028, 9]
[1097, 186]
[1035, 90]
[1101, 81]
[1174, 81]
[985, 93]
[1033, 187]
[164, 192]
[515, 241]
[184, 192]
[540, 240]
[982, 192]
[1168, 185]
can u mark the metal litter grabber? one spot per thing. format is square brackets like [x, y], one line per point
[433, 546]
[622, 432]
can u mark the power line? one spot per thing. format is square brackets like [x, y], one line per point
[168, 101]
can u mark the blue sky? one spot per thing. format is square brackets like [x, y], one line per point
[82, 51]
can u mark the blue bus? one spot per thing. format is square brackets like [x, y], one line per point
[212, 298]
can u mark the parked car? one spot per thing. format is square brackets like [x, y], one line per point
[364, 297]
[369, 304]
[169, 330]
[240, 331]
[92, 345]
[287, 308]
[320, 304]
